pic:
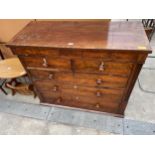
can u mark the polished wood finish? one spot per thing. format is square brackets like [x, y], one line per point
[83, 35]
[1, 55]
[80, 79]
[89, 65]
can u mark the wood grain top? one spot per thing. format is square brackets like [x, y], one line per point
[84, 35]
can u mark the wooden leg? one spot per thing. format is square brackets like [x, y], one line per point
[1, 55]
[15, 83]
[19, 87]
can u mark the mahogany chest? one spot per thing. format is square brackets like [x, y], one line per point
[90, 65]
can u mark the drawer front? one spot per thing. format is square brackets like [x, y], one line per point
[42, 62]
[92, 80]
[103, 106]
[103, 67]
[90, 90]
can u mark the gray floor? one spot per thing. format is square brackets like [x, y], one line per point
[142, 103]
[141, 107]
[13, 124]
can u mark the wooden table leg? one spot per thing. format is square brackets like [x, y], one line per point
[1, 55]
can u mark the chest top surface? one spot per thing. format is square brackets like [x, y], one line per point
[84, 35]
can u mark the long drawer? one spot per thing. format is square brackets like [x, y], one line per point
[79, 65]
[111, 107]
[80, 79]
[47, 84]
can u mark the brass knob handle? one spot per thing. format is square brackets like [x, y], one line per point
[50, 76]
[75, 86]
[98, 81]
[77, 98]
[97, 105]
[26, 55]
[59, 100]
[101, 67]
[55, 88]
[45, 62]
[98, 94]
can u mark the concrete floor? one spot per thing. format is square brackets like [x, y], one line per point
[141, 107]
[17, 125]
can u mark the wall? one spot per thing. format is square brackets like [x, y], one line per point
[9, 27]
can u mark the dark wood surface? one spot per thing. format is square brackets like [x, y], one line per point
[1, 55]
[80, 79]
[79, 65]
[97, 72]
[84, 35]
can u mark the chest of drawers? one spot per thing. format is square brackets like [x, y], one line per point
[87, 65]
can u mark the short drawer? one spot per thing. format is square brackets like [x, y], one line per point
[56, 64]
[102, 67]
[80, 79]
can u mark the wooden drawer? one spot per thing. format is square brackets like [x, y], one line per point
[80, 79]
[90, 90]
[102, 67]
[103, 107]
[42, 62]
